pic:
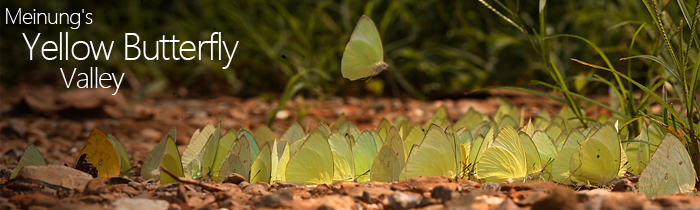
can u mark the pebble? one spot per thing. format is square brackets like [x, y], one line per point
[677, 202]
[370, 194]
[274, 200]
[95, 186]
[508, 204]
[76, 206]
[560, 197]
[444, 193]
[234, 178]
[283, 114]
[90, 199]
[625, 200]
[624, 185]
[36, 199]
[326, 202]
[259, 188]
[467, 201]
[281, 185]
[243, 184]
[401, 200]
[57, 175]
[139, 203]
[492, 187]
[586, 195]
[151, 134]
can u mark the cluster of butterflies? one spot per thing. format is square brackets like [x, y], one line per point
[476, 147]
[483, 149]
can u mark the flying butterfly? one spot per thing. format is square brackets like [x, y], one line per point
[364, 54]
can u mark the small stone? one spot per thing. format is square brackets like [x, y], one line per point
[234, 178]
[434, 207]
[91, 199]
[626, 200]
[235, 195]
[532, 198]
[274, 200]
[76, 206]
[370, 194]
[139, 203]
[585, 195]
[422, 184]
[151, 134]
[259, 188]
[559, 198]
[400, 200]
[281, 185]
[508, 204]
[36, 199]
[467, 201]
[624, 185]
[243, 184]
[326, 202]
[343, 185]
[112, 196]
[57, 175]
[680, 201]
[469, 183]
[321, 190]
[386, 185]
[536, 186]
[492, 187]
[130, 191]
[444, 193]
[283, 114]
[430, 179]
[491, 201]
[593, 203]
[96, 186]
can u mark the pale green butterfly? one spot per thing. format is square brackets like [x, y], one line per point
[364, 54]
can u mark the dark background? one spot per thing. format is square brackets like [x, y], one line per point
[436, 49]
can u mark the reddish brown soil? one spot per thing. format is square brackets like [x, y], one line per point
[60, 122]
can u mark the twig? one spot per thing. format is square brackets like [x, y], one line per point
[204, 185]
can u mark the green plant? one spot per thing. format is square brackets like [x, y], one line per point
[679, 53]
[672, 61]
[539, 43]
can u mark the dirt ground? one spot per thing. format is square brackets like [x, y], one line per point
[59, 122]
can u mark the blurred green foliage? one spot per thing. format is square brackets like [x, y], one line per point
[434, 48]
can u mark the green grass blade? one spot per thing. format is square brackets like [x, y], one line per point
[502, 16]
[638, 141]
[686, 14]
[525, 90]
[670, 69]
[290, 90]
[648, 91]
[582, 97]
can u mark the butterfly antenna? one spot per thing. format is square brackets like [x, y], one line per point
[549, 161]
[365, 173]
[129, 171]
[256, 174]
[464, 169]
